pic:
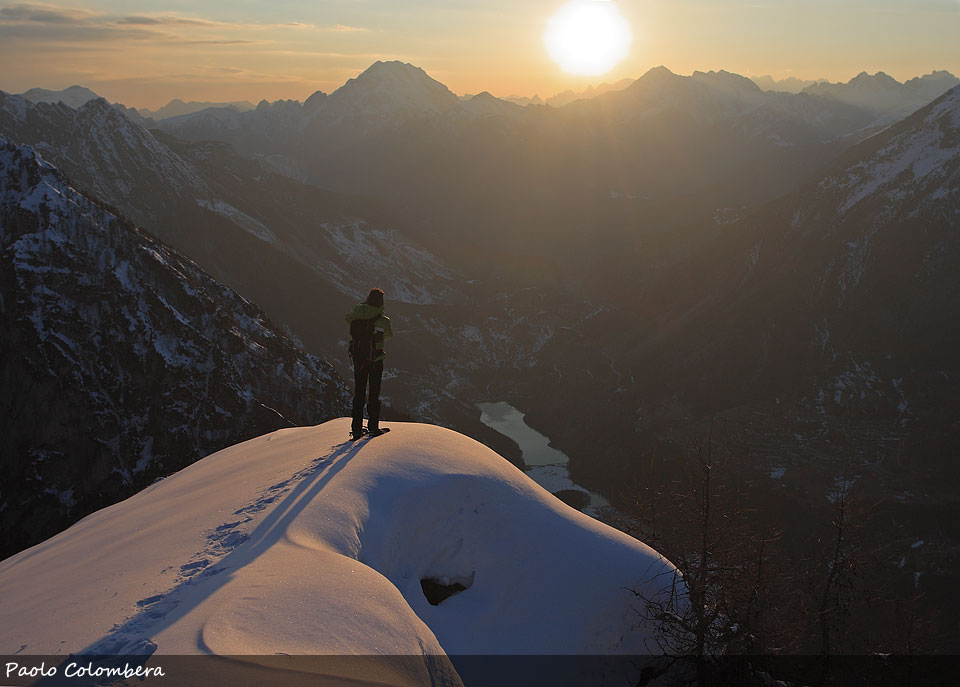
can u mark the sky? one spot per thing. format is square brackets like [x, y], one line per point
[143, 54]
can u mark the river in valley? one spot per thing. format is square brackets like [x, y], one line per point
[547, 465]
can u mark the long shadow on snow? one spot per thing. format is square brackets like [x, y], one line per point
[130, 641]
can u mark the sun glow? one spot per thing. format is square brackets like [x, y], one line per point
[588, 37]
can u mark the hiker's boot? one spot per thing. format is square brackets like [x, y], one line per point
[373, 424]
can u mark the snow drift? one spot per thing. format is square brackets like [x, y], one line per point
[299, 542]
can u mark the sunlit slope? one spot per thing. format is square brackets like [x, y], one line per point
[302, 543]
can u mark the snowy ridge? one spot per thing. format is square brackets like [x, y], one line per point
[302, 543]
[919, 156]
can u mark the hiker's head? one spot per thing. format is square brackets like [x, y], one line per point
[375, 298]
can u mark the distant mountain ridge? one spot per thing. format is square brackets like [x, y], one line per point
[177, 107]
[699, 131]
[74, 96]
[884, 95]
[569, 96]
[791, 84]
[863, 89]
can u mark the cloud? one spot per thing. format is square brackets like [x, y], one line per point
[214, 41]
[42, 14]
[54, 42]
[47, 23]
[164, 21]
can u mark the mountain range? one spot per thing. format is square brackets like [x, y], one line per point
[884, 95]
[791, 84]
[177, 107]
[74, 96]
[395, 133]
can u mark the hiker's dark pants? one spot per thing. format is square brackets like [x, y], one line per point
[364, 372]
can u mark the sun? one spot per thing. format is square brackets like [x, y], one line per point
[588, 37]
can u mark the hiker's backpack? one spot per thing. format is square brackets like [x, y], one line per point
[363, 338]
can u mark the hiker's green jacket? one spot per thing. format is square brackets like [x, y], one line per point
[365, 311]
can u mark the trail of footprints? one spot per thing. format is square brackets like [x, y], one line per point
[127, 638]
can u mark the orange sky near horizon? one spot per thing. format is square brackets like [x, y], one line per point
[143, 54]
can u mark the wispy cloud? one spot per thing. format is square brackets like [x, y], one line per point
[214, 41]
[54, 23]
[43, 14]
[141, 20]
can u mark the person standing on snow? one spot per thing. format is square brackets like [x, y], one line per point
[369, 330]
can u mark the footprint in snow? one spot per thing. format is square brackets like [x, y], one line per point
[150, 600]
[195, 567]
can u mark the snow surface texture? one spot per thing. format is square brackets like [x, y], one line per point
[302, 543]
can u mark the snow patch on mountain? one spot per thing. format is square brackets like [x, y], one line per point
[239, 218]
[384, 256]
[44, 192]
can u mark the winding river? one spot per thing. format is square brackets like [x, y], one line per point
[548, 466]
